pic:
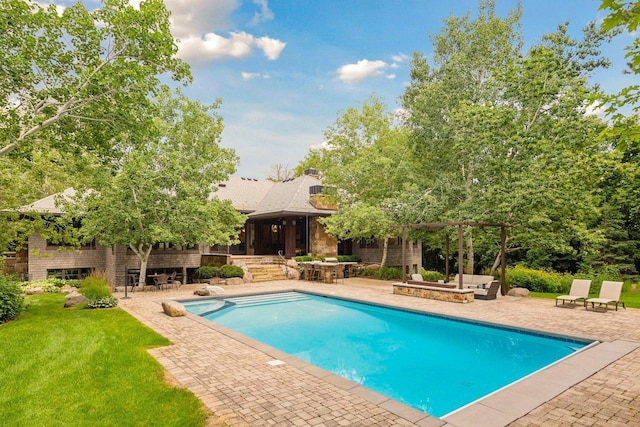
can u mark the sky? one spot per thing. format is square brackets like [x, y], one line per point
[285, 70]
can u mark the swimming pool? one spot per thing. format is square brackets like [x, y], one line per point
[429, 362]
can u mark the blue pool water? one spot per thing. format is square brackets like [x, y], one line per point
[431, 363]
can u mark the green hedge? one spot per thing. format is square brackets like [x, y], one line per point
[206, 272]
[552, 282]
[432, 276]
[228, 270]
[11, 300]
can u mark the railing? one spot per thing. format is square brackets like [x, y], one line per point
[282, 259]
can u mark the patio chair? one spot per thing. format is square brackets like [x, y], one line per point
[172, 280]
[161, 280]
[609, 293]
[579, 290]
[489, 293]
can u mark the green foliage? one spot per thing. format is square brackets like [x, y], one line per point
[206, 272]
[348, 258]
[87, 368]
[304, 258]
[389, 273]
[11, 300]
[432, 276]
[50, 285]
[538, 280]
[104, 302]
[228, 270]
[95, 288]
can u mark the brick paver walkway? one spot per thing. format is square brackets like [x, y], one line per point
[235, 382]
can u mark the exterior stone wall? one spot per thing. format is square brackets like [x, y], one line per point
[320, 243]
[43, 258]
[441, 294]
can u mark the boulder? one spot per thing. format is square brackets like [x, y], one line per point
[74, 298]
[173, 308]
[292, 263]
[239, 263]
[235, 281]
[207, 291]
[68, 289]
[518, 292]
[248, 277]
[34, 291]
[292, 273]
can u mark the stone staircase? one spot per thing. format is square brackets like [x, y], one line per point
[266, 272]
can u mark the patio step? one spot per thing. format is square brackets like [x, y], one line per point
[266, 272]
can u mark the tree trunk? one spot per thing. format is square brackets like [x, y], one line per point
[385, 246]
[470, 257]
[143, 256]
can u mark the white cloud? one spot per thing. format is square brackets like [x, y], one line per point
[390, 76]
[595, 109]
[271, 47]
[363, 69]
[214, 47]
[198, 25]
[265, 13]
[401, 57]
[197, 17]
[395, 65]
[250, 76]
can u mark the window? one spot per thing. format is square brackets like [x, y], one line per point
[69, 273]
[369, 243]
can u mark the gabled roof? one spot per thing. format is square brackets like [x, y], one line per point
[48, 204]
[263, 198]
[256, 198]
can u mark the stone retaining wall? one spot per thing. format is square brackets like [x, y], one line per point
[432, 292]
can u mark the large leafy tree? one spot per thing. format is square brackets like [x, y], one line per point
[503, 135]
[162, 189]
[367, 166]
[71, 80]
[77, 77]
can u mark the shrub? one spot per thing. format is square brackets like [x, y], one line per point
[538, 280]
[206, 272]
[304, 258]
[432, 276]
[11, 300]
[105, 302]
[95, 288]
[46, 284]
[389, 273]
[348, 258]
[229, 270]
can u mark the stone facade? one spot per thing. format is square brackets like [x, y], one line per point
[394, 254]
[320, 242]
[441, 294]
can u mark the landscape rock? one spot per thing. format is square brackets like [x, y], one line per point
[68, 289]
[74, 298]
[518, 292]
[34, 291]
[292, 263]
[207, 291]
[173, 308]
[235, 281]
[248, 277]
[292, 273]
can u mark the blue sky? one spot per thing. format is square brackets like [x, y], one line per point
[285, 69]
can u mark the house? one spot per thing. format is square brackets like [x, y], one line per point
[282, 219]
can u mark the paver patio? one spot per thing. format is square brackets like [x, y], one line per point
[230, 373]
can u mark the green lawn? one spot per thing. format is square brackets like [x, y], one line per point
[72, 367]
[630, 298]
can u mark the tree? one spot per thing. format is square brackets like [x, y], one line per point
[504, 135]
[368, 168]
[76, 78]
[162, 191]
[280, 172]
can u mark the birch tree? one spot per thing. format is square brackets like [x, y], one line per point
[162, 190]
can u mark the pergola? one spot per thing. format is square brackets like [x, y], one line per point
[460, 225]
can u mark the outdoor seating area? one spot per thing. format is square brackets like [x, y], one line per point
[610, 292]
[327, 272]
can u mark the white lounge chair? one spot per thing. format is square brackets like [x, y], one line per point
[579, 290]
[609, 293]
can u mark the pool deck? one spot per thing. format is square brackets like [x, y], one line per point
[232, 375]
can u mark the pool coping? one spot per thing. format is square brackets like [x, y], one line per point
[500, 407]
